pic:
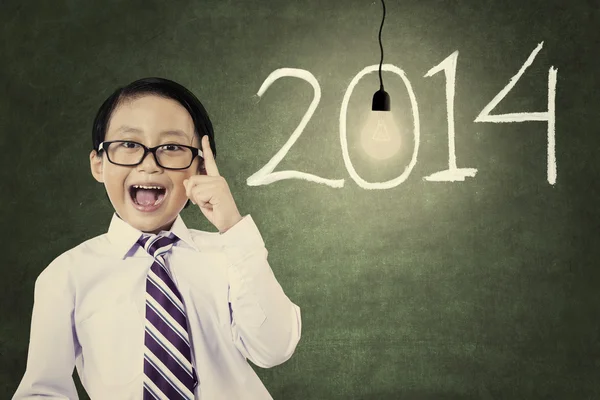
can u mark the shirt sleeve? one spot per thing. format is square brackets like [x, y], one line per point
[53, 342]
[266, 325]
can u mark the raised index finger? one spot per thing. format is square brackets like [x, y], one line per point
[209, 160]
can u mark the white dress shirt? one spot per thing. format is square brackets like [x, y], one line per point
[89, 313]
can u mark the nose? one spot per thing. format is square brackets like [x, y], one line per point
[148, 164]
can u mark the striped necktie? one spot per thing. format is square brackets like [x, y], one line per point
[168, 370]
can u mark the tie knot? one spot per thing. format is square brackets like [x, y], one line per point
[156, 245]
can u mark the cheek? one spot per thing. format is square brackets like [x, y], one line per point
[178, 189]
[114, 179]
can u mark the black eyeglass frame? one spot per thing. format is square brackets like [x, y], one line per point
[195, 153]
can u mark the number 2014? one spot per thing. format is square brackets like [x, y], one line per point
[265, 175]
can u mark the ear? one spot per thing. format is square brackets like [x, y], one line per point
[96, 165]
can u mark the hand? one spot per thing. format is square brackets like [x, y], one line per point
[211, 193]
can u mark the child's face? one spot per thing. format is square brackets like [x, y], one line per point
[153, 118]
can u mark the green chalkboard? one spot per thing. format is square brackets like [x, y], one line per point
[484, 285]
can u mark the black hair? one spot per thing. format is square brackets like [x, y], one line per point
[158, 87]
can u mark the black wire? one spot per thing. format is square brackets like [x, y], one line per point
[381, 46]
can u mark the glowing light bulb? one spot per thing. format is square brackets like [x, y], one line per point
[380, 137]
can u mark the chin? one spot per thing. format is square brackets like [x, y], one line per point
[148, 223]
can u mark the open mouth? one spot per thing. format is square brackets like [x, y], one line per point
[147, 196]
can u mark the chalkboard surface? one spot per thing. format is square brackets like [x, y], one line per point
[480, 282]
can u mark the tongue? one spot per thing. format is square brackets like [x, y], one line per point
[146, 197]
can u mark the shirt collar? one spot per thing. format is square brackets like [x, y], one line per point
[123, 236]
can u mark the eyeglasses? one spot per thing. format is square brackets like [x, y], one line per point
[168, 156]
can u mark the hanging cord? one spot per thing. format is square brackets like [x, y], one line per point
[381, 46]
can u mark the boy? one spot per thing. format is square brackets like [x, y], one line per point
[152, 309]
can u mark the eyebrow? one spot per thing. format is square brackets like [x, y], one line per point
[170, 132]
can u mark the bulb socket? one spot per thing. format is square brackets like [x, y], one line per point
[381, 101]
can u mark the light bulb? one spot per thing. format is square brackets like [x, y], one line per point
[380, 137]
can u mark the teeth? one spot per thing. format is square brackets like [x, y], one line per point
[147, 187]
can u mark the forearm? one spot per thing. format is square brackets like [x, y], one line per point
[266, 325]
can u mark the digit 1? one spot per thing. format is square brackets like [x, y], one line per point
[452, 173]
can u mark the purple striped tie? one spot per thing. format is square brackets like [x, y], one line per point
[168, 370]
